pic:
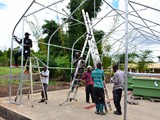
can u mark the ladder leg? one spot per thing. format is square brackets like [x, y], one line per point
[108, 100]
[31, 82]
[17, 94]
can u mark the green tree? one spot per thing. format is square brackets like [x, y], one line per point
[89, 7]
[64, 62]
[42, 47]
[1, 57]
[76, 30]
[144, 59]
[5, 62]
[49, 28]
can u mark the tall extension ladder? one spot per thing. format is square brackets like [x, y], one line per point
[77, 76]
[95, 53]
[95, 57]
[30, 84]
[75, 81]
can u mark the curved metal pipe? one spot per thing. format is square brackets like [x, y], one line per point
[59, 28]
[11, 53]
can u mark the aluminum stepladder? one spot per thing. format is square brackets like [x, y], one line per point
[30, 84]
[94, 52]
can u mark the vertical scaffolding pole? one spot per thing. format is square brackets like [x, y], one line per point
[22, 51]
[126, 60]
[11, 53]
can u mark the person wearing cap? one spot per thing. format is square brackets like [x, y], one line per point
[88, 84]
[26, 51]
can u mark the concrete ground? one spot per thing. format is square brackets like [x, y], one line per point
[80, 110]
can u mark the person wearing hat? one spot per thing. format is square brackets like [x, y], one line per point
[26, 51]
[88, 84]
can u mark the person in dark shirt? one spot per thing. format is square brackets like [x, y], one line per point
[88, 84]
[80, 71]
[26, 51]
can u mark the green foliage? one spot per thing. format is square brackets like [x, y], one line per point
[106, 62]
[42, 47]
[54, 83]
[132, 57]
[49, 28]
[4, 57]
[89, 7]
[1, 53]
[76, 30]
[144, 59]
[64, 62]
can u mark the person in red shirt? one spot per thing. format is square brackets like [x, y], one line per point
[88, 84]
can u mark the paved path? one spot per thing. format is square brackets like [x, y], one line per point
[80, 110]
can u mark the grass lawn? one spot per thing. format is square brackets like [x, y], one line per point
[6, 70]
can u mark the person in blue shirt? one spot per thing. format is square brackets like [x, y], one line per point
[98, 77]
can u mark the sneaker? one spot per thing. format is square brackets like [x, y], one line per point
[117, 113]
[102, 113]
[26, 72]
[97, 113]
[42, 100]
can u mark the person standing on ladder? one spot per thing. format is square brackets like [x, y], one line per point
[98, 77]
[80, 70]
[26, 51]
[45, 81]
[88, 84]
[118, 79]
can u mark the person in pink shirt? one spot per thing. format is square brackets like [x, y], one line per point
[88, 84]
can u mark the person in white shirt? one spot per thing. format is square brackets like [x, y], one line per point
[45, 81]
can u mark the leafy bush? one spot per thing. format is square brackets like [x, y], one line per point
[63, 62]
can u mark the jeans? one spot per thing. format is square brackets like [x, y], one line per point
[99, 99]
[89, 91]
[26, 56]
[117, 94]
[45, 91]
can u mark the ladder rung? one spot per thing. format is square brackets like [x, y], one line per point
[35, 91]
[37, 82]
[76, 79]
[25, 88]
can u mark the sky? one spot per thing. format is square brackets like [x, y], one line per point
[12, 10]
